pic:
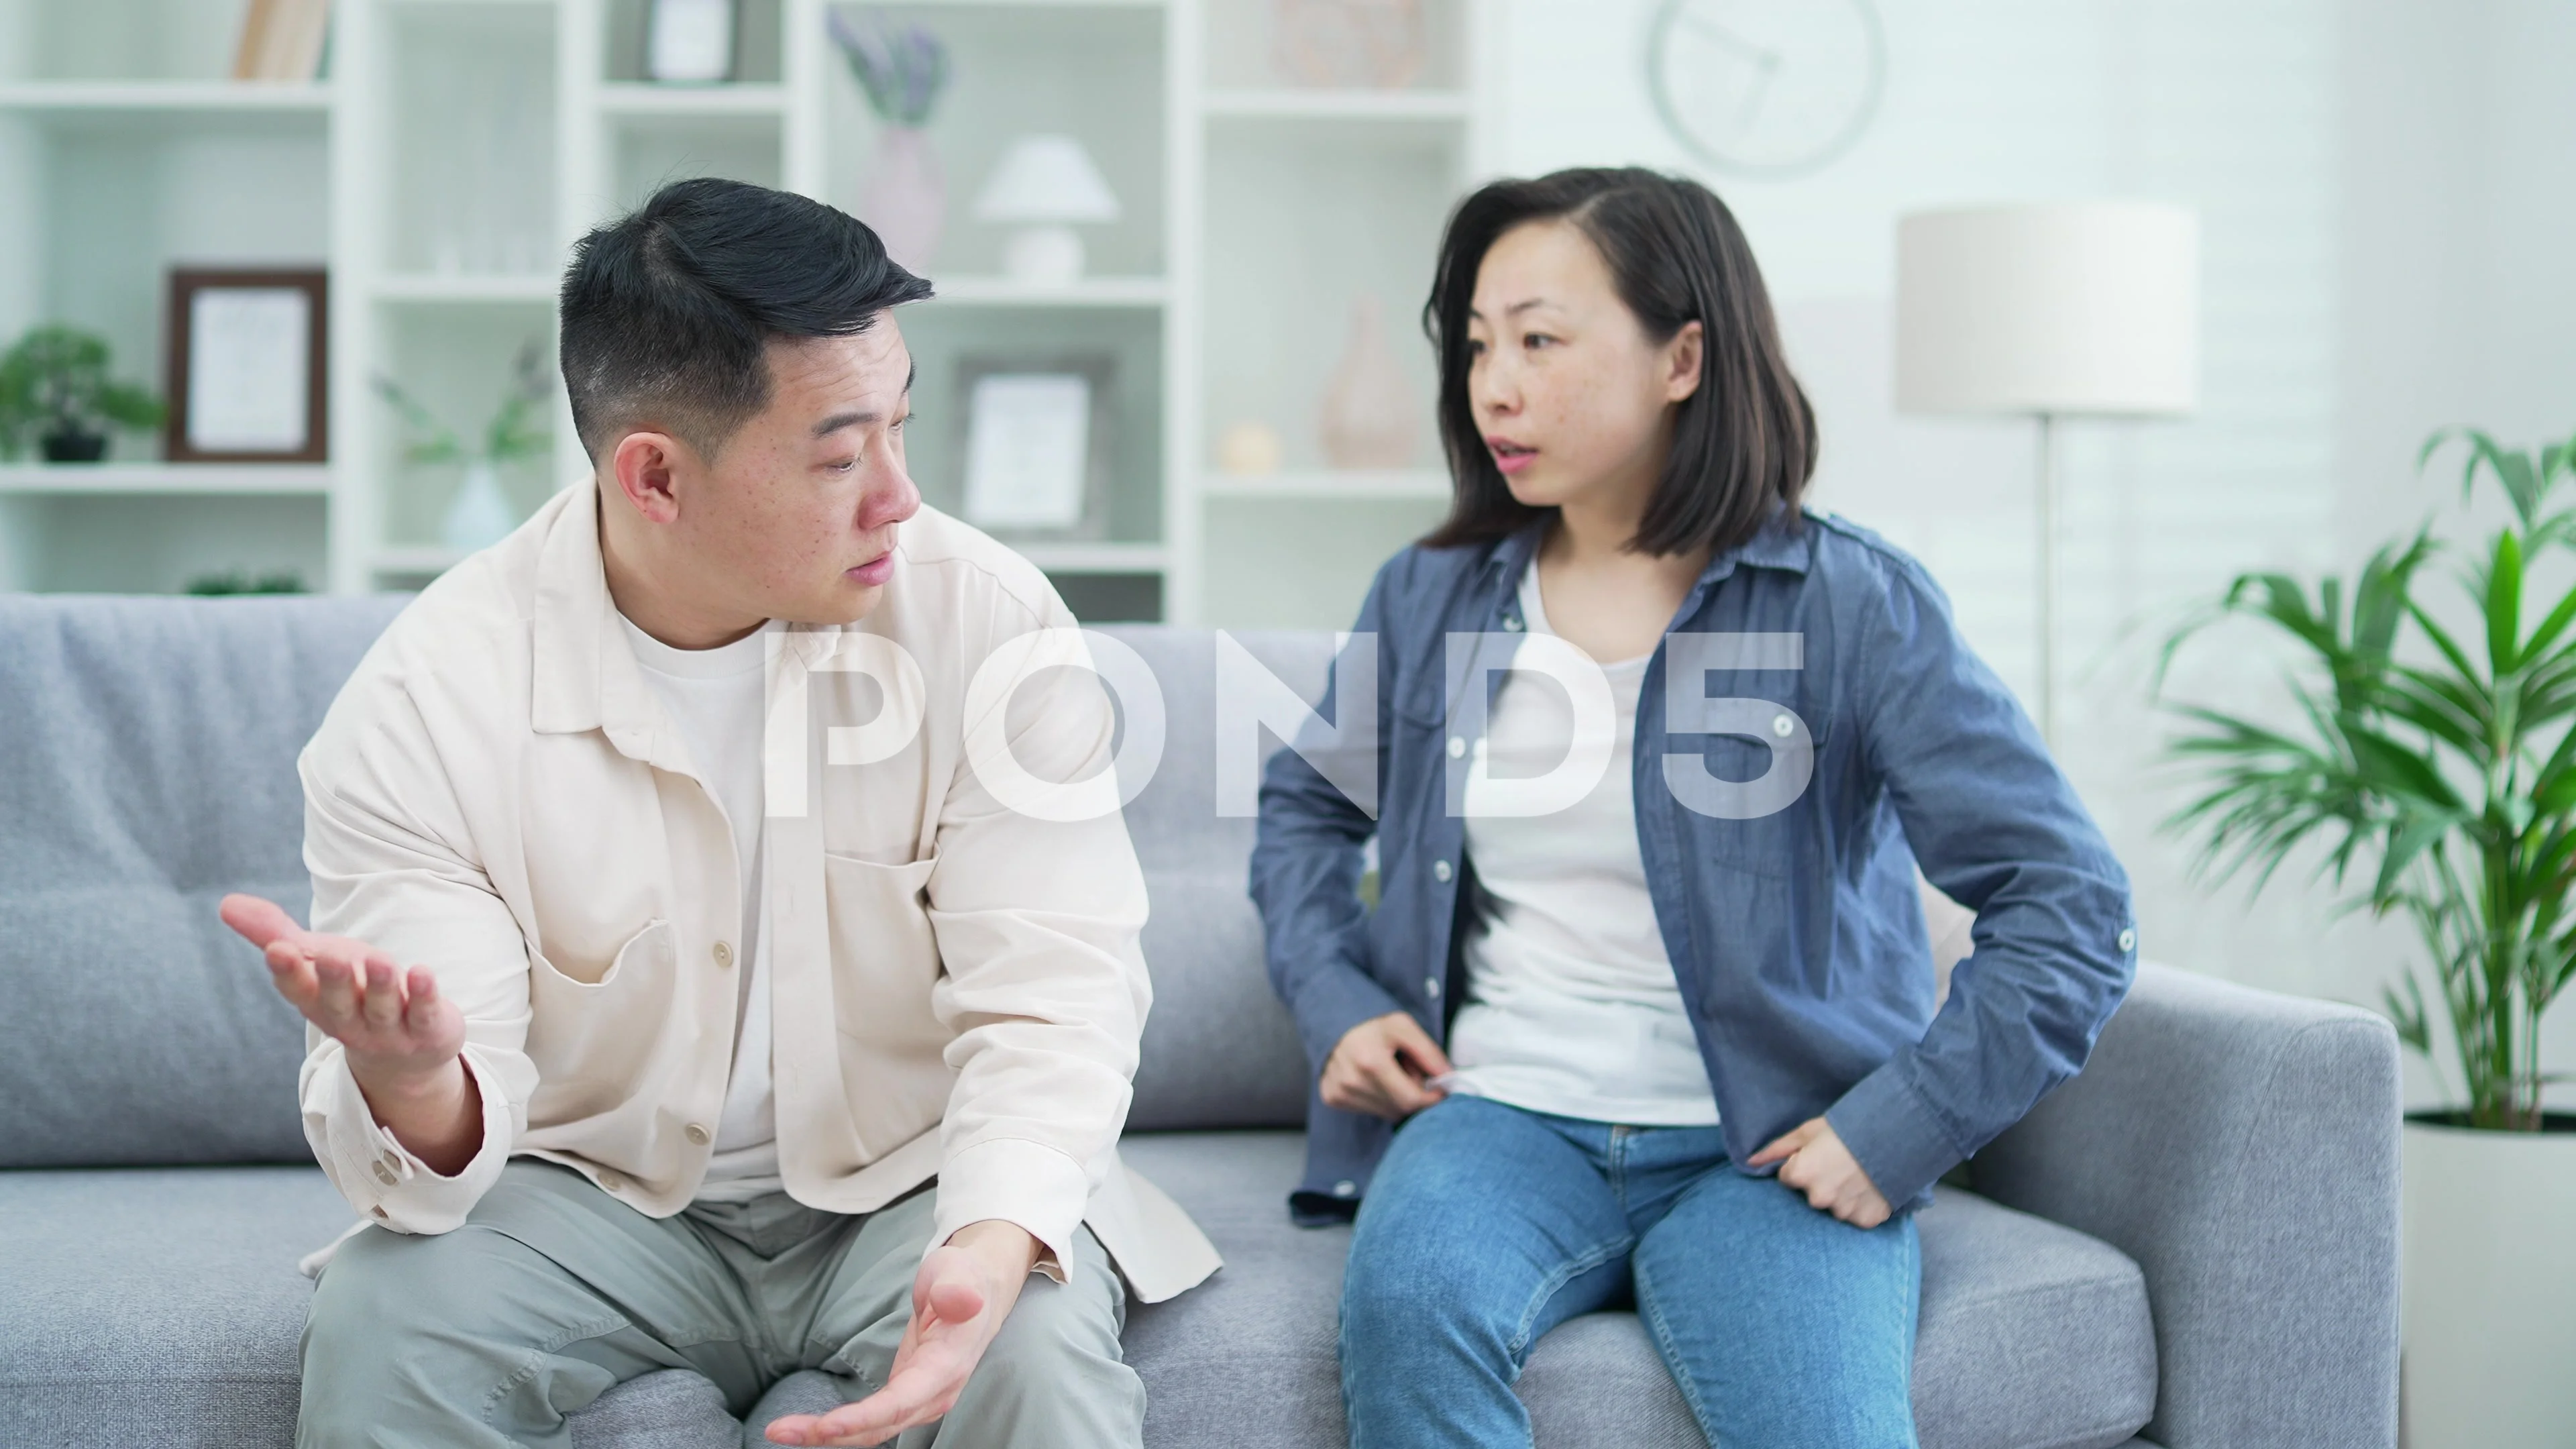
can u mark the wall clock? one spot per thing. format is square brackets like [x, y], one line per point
[1766, 87]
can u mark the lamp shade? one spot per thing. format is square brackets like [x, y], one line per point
[2059, 309]
[1046, 179]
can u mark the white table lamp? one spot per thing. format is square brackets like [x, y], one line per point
[2075, 310]
[1045, 184]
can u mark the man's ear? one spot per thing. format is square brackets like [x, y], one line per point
[1685, 358]
[641, 467]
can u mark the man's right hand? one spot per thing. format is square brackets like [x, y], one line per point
[402, 1037]
[1382, 1067]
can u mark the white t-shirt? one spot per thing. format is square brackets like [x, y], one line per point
[1572, 1007]
[715, 697]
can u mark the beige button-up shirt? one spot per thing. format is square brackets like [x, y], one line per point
[957, 987]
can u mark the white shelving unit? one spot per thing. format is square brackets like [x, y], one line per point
[458, 147]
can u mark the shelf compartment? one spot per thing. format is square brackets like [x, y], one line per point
[68, 480]
[139, 543]
[967, 291]
[456, 361]
[645, 98]
[757, 40]
[1091, 71]
[1243, 52]
[1355, 485]
[1351, 105]
[472, 166]
[650, 150]
[1302, 563]
[469, 288]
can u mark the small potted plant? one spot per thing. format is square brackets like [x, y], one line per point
[902, 70]
[55, 389]
[2434, 766]
[481, 514]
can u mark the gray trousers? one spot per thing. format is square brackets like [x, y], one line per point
[552, 1292]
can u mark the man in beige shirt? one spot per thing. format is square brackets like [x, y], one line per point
[724, 946]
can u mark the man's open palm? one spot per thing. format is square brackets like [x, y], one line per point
[394, 1023]
[954, 1317]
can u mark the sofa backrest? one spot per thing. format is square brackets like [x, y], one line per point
[147, 767]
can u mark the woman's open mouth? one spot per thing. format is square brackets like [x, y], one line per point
[1510, 457]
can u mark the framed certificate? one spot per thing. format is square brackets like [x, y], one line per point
[249, 366]
[1037, 444]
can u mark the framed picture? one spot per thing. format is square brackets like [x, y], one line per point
[249, 365]
[1037, 444]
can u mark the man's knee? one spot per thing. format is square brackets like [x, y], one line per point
[1055, 1370]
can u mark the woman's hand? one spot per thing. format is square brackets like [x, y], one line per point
[1813, 1160]
[1383, 1067]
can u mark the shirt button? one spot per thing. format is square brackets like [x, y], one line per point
[390, 1161]
[379, 1212]
[1511, 623]
[2128, 939]
[1431, 987]
[610, 1180]
[724, 954]
[1457, 748]
[1783, 726]
[1346, 1188]
[1440, 870]
[384, 1174]
[696, 1134]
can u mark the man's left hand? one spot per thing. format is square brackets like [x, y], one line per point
[964, 1290]
[1813, 1160]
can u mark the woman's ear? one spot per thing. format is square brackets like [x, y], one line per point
[1685, 358]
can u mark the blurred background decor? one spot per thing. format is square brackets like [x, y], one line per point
[901, 69]
[1038, 443]
[1349, 44]
[56, 391]
[1371, 414]
[481, 514]
[1043, 185]
[2439, 763]
[281, 40]
[249, 365]
[690, 42]
[237, 582]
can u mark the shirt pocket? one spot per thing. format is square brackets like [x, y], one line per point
[885, 963]
[1775, 845]
[594, 1040]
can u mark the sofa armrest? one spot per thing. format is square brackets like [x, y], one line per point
[2242, 1146]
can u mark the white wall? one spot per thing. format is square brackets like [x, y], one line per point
[2387, 193]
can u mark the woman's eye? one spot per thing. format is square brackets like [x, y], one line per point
[1535, 341]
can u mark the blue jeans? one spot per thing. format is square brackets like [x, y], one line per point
[1487, 1225]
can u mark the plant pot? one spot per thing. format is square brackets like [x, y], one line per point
[74, 447]
[2490, 1285]
[480, 515]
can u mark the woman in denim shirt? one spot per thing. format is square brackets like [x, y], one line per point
[1647, 985]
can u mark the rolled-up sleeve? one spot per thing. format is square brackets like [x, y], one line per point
[1997, 827]
[1043, 978]
[380, 827]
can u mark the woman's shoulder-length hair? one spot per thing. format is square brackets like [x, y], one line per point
[1743, 443]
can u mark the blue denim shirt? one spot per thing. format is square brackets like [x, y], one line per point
[1795, 930]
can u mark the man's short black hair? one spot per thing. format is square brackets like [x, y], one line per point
[667, 312]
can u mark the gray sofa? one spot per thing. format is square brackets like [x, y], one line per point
[2195, 1241]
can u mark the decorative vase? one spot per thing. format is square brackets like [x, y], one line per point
[1369, 415]
[72, 445]
[905, 200]
[481, 514]
[2490, 1315]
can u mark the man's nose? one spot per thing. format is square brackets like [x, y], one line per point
[892, 500]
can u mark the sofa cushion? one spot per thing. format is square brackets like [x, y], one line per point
[2031, 1334]
[147, 766]
[163, 1306]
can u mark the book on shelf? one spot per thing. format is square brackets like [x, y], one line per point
[281, 40]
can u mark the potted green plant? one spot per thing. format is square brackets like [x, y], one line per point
[55, 388]
[2434, 768]
[481, 514]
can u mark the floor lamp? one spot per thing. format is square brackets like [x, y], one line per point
[2049, 312]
